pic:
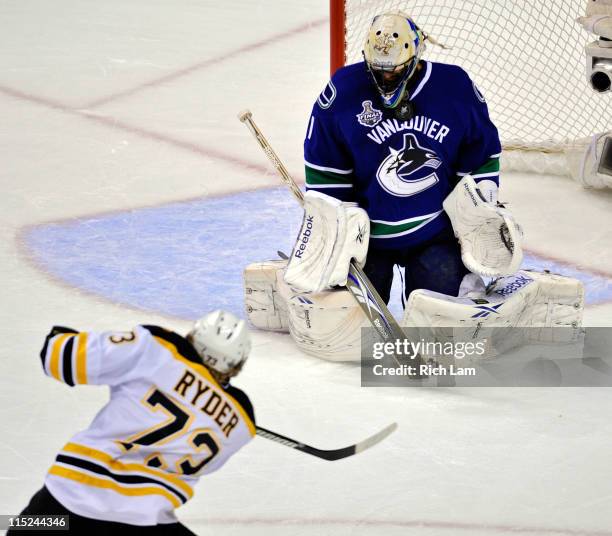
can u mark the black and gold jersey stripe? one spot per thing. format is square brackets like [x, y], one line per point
[64, 355]
[120, 478]
[92, 467]
[88, 479]
[67, 361]
[55, 330]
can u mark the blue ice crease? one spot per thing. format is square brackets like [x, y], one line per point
[186, 258]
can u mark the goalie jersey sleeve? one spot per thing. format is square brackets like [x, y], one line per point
[480, 149]
[328, 161]
[167, 423]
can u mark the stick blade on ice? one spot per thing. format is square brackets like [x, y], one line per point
[376, 438]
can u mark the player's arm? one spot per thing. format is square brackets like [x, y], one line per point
[334, 229]
[489, 236]
[241, 397]
[480, 150]
[96, 358]
[328, 163]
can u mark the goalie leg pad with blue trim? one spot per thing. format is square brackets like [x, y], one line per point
[527, 299]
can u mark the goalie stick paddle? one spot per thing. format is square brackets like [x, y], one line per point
[329, 455]
[358, 284]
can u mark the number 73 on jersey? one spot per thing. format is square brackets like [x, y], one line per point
[175, 429]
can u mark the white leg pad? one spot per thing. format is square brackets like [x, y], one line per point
[526, 299]
[558, 302]
[265, 308]
[325, 324]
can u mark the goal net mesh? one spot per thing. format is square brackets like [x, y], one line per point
[526, 56]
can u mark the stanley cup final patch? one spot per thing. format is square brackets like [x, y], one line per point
[369, 116]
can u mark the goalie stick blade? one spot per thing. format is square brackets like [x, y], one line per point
[330, 455]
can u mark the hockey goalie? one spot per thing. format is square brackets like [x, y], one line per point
[302, 295]
[400, 171]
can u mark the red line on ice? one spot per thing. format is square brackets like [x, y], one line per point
[413, 524]
[134, 129]
[170, 77]
[152, 135]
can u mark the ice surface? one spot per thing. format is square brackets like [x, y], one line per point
[118, 141]
[187, 252]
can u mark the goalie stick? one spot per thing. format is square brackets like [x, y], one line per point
[330, 455]
[357, 283]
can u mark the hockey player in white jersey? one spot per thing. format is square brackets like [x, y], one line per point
[172, 417]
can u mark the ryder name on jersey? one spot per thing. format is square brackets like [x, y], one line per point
[400, 172]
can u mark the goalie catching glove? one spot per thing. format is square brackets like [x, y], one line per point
[490, 238]
[332, 234]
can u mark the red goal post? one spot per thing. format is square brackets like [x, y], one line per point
[337, 48]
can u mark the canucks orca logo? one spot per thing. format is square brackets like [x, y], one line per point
[409, 170]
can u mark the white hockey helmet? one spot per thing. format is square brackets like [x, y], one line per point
[222, 341]
[392, 50]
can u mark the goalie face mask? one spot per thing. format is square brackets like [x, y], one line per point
[392, 51]
[391, 81]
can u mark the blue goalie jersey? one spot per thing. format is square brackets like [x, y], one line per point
[400, 172]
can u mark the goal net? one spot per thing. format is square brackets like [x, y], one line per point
[527, 57]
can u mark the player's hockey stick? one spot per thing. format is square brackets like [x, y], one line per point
[330, 455]
[357, 283]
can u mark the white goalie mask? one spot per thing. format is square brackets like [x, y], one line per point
[222, 341]
[392, 50]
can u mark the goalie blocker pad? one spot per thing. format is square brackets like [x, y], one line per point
[490, 239]
[328, 324]
[332, 234]
[265, 308]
